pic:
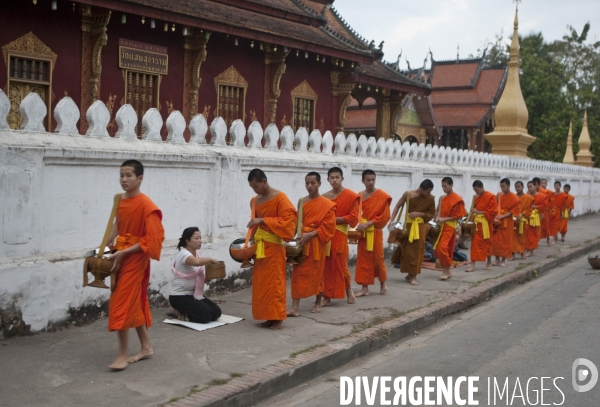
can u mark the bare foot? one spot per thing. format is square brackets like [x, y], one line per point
[266, 324]
[326, 302]
[351, 297]
[488, 266]
[277, 325]
[316, 309]
[383, 290]
[503, 264]
[363, 293]
[514, 258]
[141, 355]
[414, 282]
[445, 276]
[119, 364]
[524, 256]
[470, 269]
[496, 263]
[407, 278]
[293, 313]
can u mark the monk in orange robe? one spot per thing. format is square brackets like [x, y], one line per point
[318, 228]
[336, 277]
[504, 235]
[452, 208]
[485, 211]
[563, 224]
[139, 235]
[560, 206]
[274, 222]
[374, 214]
[419, 211]
[525, 201]
[544, 231]
[534, 230]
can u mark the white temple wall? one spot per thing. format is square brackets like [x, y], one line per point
[56, 194]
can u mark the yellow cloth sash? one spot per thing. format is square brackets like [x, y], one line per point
[485, 228]
[534, 219]
[341, 228]
[521, 225]
[451, 223]
[413, 234]
[260, 237]
[369, 234]
[566, 214]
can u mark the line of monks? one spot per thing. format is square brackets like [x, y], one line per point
[501, 226]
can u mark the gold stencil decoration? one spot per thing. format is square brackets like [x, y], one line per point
[231, 77]
[304, 90]
[28, 46]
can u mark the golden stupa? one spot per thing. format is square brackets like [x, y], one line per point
[510, 135]
[584, 156]
[569, 157]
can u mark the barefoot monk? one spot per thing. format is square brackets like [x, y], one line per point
[485, 210]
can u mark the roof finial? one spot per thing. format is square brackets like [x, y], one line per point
[457, 52]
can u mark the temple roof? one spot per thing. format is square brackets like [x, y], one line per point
[379, 74]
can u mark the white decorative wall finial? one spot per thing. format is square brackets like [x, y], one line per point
[126, 119]
[66, 115]
[198, 129]
[218, 131]
[152, 123]
[175, 127]
[98, 117]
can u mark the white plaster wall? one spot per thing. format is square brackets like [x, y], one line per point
[56, 194]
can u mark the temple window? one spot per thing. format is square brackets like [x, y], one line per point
[141, 92]
[304, 100]
[231, 90]
[29, 64]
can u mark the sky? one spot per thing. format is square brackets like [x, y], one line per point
[415, 26]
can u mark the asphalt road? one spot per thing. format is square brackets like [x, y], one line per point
[534, 331]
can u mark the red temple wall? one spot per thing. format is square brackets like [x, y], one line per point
[60, 30]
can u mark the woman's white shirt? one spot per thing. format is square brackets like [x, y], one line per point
[183, 286]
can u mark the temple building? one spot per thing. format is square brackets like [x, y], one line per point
[288, 62]
[457, 114]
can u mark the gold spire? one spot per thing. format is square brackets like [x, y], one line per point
[569, 158]
[510, 135]
[584, 157]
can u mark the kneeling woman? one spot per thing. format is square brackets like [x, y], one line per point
[188, 286]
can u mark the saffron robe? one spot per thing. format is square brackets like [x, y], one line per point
[269, 273]
[412, 253]
[453, 206]
[504, 235]
[138, 221]
[558, 210]
[544, 231]
[563, 224]
[534, 232]
[520, 241]
[336, 276]
[481, 248]
[370, 264]
[307, 277]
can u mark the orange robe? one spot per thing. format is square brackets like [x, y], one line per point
[268, 273]
[452, 206]
[370, 264]
[563, 224]
[307, 277]
[534, 232]
[336, 277]
[482, 248]
[412, 253]
[560, 205]
[504, 235]
[520, 241]
[138, 221]
[544, 231]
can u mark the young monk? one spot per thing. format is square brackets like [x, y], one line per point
[275, 221]
[525, 201]
[420, 210]
[318, 228]
[375, 209]
[485, 210]
[563, 224]
[452, 208]
[541, 185]
[535, 223]
[139, 235]
[560, 205]
[336, 277]
[504, 236]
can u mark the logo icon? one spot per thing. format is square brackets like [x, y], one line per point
[584, 370]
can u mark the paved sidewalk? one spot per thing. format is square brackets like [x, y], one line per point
[68, 368]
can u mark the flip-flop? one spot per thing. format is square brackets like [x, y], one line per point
[171, 315]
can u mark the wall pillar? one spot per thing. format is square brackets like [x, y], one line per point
[193, 56]
[274, 70]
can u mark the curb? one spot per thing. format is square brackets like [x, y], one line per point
[277, 377]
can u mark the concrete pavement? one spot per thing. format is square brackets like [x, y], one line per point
[68, 367]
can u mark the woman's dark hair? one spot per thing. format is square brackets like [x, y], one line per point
[186, 235]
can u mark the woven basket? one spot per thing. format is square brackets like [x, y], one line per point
[213, 271]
